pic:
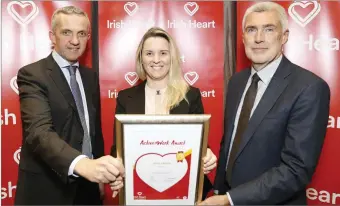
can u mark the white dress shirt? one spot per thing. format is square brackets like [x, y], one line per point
[63, 64]
[265, 75]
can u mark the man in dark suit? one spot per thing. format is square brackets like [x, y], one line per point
[275, 120]
[62, 150]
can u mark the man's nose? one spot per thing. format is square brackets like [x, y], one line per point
[75, 40]
[259, 37]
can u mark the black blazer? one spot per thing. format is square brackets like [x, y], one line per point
[132, 101]
[52, 132]
[282, 143]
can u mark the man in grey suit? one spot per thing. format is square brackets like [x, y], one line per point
[275, 120]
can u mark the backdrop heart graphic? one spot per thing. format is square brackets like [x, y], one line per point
[161, 171]
[16, 155]
[14, 85]
[191, 8]
[191, 77]
[22, 5]
[131, 8]
[131, 78]
[303, 21]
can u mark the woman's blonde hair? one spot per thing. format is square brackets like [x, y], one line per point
[177, 87]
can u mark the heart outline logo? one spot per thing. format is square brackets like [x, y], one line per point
[17, 17]
[131, 4]
[191, 4]
[132, 80]
[189, 80]
[303, 21]
[14, 85]
[16, 155]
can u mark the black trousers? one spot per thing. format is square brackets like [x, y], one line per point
[87, 193]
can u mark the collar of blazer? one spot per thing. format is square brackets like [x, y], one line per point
[275, 88]
[137, 101]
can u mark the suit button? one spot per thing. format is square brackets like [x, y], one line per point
[80, 142]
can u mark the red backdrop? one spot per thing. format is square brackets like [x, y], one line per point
[313, 44]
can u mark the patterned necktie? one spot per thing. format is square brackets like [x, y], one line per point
[242, 123]
[86, 147]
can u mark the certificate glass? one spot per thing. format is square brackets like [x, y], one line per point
[162, 155]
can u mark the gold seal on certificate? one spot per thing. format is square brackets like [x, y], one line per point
[162, 155]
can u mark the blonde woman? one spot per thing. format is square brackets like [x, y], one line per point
[163, 90]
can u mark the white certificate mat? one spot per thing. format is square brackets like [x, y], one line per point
[157, 154]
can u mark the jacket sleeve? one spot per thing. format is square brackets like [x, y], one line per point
[196, 105]
[98, 125]
[39, 133]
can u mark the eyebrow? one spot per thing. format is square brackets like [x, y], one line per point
[263, 26]
[152, 50]
[268, 25]
[66, 29]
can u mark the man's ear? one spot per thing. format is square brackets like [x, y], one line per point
[52, 37]
[285, 37]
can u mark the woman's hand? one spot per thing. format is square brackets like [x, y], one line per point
[116, 186]
[209, 161]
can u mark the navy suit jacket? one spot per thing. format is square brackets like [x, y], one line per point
[281, 146]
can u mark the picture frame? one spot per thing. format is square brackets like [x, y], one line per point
[162, 155]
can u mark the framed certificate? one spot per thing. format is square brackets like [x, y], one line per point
[162, 155]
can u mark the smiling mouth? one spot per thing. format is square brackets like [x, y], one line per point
[156, 67]
[74, 49]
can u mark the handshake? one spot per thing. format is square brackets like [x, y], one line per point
[106, 169]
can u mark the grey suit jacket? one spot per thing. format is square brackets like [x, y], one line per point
[282, 144]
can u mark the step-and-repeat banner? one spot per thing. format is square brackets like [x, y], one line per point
[25, 39]
[313, 44]
[197, 27]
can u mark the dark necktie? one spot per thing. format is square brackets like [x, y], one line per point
[242, 123]
[86, 147]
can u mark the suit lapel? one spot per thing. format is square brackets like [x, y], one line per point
[236, 95]
[87, 84]
[60, 81]
[275, 88]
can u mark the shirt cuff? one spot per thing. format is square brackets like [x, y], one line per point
[230, 200]
[73, 164]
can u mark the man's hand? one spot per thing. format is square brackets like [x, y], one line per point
[209, 161]
[103, 170]
[216, 200]
[116, 186]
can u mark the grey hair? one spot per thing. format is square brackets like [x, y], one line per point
[68, 10]
[268, 6]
